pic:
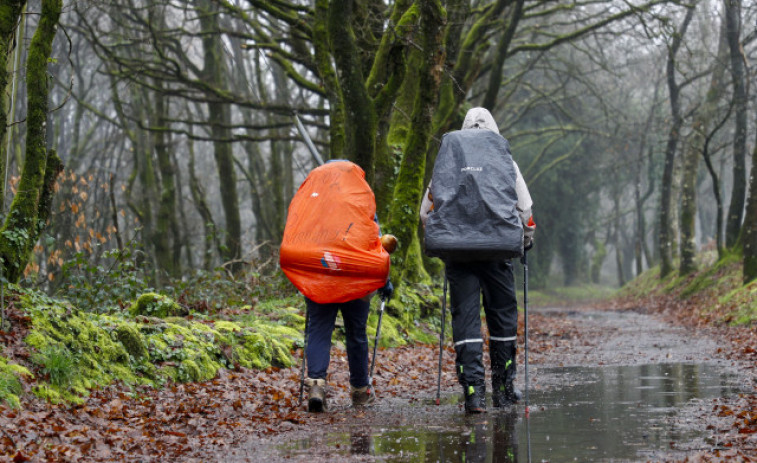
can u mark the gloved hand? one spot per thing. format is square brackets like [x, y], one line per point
[528, 245]
[387, 291]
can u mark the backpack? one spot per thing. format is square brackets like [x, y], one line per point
[331, 250]
[473, 189]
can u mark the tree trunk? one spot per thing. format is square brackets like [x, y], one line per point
[738, 193]
[639, 199]
[689, 200]
[666, 239]
[30, 207]
[210, 236]
[749, 238]
[495, 76]
[403, 221]
[360, 126]
[10, 14]
[220, 120]
[167, 225]
[698, 144]
[329, 80]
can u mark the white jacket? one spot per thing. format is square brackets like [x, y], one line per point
[481, 118]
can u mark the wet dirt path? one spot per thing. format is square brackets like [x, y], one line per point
[604, 386]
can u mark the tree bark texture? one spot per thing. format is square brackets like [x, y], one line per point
[219, 119]
[10, 14]
[697, 144]
[167, 223]
[738, 77]
[749, 238]
[404, 219]
[666, 239]
[360, 120]
[30, 207]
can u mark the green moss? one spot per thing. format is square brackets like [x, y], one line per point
[132, 340]
[76, 351]
[45, 392]
[10, 384]
[155, 305]
[390, 331]
[223, 325]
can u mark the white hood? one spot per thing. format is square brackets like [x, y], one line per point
[480, 118]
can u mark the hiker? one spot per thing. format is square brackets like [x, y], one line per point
[332, 252]
[480, 269]
[319, 330]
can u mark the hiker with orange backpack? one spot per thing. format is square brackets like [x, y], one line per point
[477, 216]
[332, 252]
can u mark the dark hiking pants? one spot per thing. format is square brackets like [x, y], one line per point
[320, 326]
[468, 281]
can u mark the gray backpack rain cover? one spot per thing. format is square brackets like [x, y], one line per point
[473, 191]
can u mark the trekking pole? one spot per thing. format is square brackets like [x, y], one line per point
[441, 342]
[525, 318]
[376, 341]
[304, 348]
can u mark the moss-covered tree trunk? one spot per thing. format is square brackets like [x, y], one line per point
[31, 205]
[390, 104]
[10, 13]
[360, 123]
[409, 187]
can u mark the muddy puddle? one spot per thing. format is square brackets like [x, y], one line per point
[605, 413]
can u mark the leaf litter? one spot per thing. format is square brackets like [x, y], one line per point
[205, 421]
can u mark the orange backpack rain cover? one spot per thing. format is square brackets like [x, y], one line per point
[331, 249]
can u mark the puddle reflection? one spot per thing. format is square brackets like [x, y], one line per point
[592, 414]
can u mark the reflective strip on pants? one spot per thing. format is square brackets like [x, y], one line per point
[467, 341]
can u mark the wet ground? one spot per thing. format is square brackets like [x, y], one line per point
[604, 386]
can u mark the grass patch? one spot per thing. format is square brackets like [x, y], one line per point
[567, 295]
[713, 293]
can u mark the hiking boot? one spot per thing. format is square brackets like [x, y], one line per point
[316, 394]
[475, 399]
[505, 394]
[504, 369]
[363, 396]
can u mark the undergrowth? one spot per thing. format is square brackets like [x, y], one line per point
[188, 332]
[715, 291]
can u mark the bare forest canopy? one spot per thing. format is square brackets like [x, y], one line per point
[165, 130]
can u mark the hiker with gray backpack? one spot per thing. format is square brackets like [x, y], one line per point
[477, 217]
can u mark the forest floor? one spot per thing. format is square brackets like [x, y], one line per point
[250, 415]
